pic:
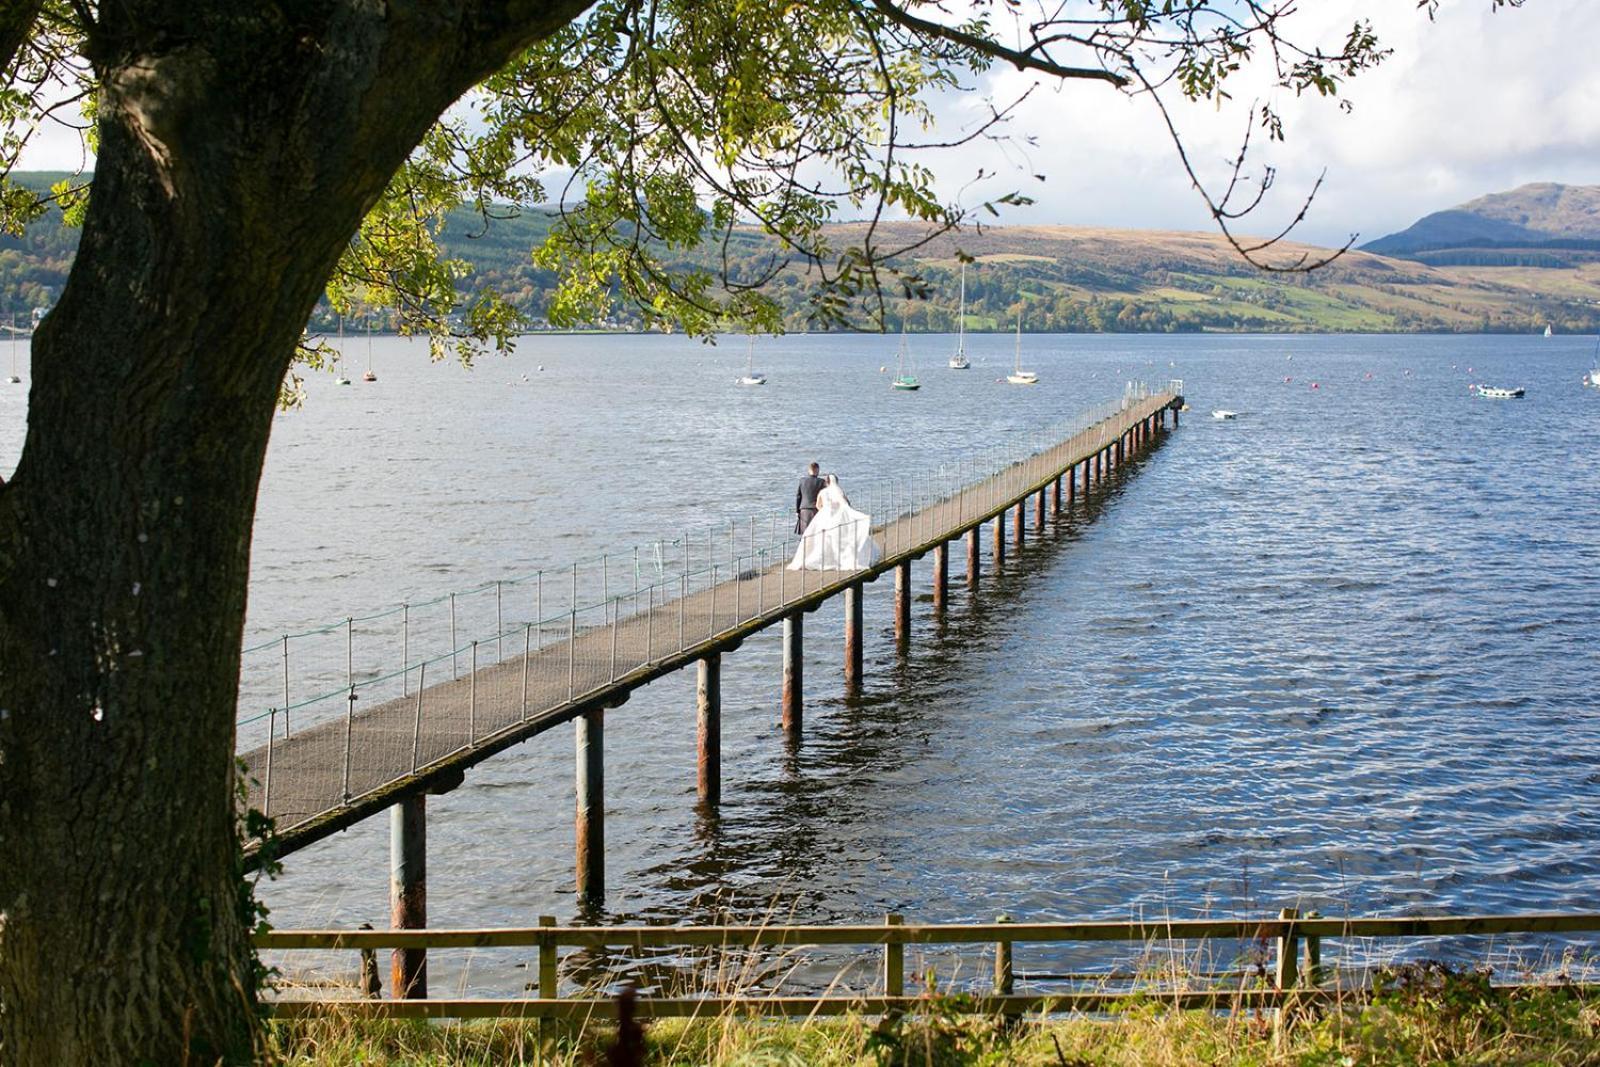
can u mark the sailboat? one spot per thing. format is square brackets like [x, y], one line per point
[338, 361]
[750, 376]
[903, 379]
[959, 361]
[1592, 379]
[1548, 331]
[1018, 376]
[369, 376]
[14, 380]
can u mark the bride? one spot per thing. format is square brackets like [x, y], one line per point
[839, 538]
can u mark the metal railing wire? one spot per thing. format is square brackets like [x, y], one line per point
[504, 649]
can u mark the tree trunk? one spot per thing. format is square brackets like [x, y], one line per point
[237, 157]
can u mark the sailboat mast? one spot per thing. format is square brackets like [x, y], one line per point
[961, 315]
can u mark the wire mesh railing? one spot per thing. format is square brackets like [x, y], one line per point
[338, 710]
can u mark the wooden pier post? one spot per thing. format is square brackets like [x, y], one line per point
[852, 636]
[1072, 485]
[1039, 507]
[589, 730]
[941, 575]
[1056, 496]
[708, 722]
[972, 557]
[902, 605]
[793, 671]
[408, 893]
[999, 540]
[1019, 524]
[1174, 418]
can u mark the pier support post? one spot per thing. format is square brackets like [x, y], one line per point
[1174, 418]
[902, 605]
[589, 731]
[1072, 485]
[793, 671]
[999, 540]
[1019, 524]
[1039, 507]
[972, 557]
[408, 893]
[941, 575]
[1056, 496]
[852, 636]
[708, 722]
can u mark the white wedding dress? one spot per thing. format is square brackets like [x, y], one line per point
[839, 538]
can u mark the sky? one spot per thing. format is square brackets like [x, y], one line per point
[1478, 101]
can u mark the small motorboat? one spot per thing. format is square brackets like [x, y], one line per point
[1495, 392]
[1224, 413]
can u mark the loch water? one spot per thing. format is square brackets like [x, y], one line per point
[1342, 652]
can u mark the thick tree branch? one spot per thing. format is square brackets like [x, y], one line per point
[983, 46]
[16, 22]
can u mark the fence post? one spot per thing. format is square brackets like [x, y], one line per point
[472, 699]
[572, 646]
[616, 609]
[527, 651]
[1288, 944]
[548, 989]
[349, 728]
[405, 648]
[1314, 953]
[416, 729]
[1004, 975]
[272, 735]
[650, 626]
[285, 685]
[894, 961]
[683, 604]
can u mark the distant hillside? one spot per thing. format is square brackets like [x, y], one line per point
[1539, 225]
[1086, 279]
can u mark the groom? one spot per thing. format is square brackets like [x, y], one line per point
[805, 498]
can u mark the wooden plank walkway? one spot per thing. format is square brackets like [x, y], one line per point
[332, 774]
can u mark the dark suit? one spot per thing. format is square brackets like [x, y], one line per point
[805, 501]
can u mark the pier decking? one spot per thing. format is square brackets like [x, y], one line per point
[324, 777]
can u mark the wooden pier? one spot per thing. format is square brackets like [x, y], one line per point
[330, 775]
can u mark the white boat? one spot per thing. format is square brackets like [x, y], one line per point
[750, 377]
[959, 361]
[14, 379]
[1548, 331]
[1495, 392]
[904, 379]
[1224, 413]
[1018, 376]
[1592, 379]
[369, 376]
[338, 360]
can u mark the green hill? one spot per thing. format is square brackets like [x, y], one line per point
[1061, 278]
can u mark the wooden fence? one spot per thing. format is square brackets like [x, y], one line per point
[1297, 971]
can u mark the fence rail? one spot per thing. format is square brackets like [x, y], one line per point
[1289, 976]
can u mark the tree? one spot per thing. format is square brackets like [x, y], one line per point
[250, 158]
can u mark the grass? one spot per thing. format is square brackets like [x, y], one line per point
[1421, 1014]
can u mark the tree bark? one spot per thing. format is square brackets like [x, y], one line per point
[239, 150]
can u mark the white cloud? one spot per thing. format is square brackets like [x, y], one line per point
[1476, 102]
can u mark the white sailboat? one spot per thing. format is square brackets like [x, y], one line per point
[1018, 376]
[369, 376]
[904, 379]
[1592, 379]
[14, 379]
[1548, 331]
[959, 361]
[750, 376]
[338, 361]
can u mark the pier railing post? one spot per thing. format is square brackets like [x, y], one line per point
[590, 788]
[272, 737]
[408, 893]
[708, 718]
[416, 726]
